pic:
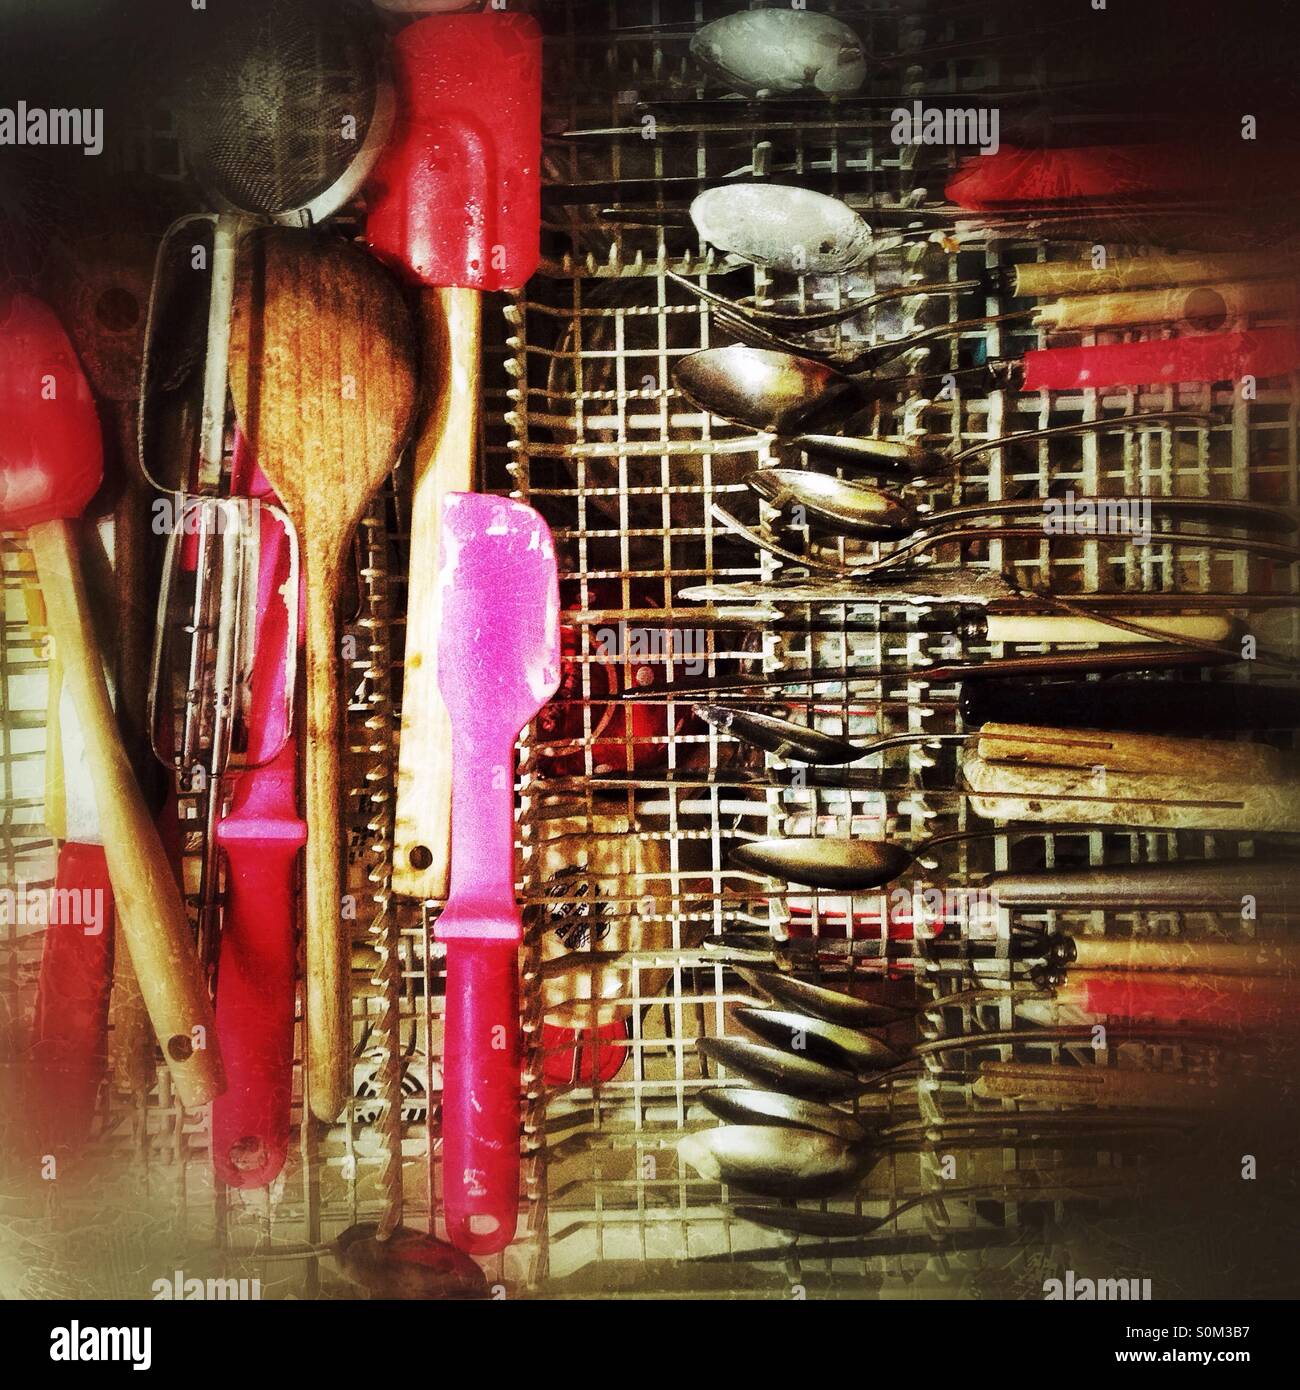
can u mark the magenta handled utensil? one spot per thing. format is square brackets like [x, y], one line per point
[498, 664]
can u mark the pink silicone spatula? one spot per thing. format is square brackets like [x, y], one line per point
[498, 664]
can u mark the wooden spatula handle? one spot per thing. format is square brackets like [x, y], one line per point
[444, 459]
[1124, 752]
[328, 944]
[150, 912]
[1041, 278]
[1187, 801]
[1219, 301]
[1056, 627]
[1152, 953]
[1064, 1085]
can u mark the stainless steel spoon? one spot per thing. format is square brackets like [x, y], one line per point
[832, 1043]
[803, 744]
[796, 397]
[839, 863]
[793, 1073]
[854, 508]
[782, 51]
[833, 1005]
[786, 1162]
[784, 227]
[746, 1105]
[776, 1160]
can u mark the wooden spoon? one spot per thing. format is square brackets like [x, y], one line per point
[323, 374]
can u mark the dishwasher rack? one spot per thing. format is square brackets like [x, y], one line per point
[625, 821]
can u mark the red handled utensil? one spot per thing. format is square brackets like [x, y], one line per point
[1258, 352]
[498, 664]
[49, 469]
[70, 1023]
[456, 202]
[261, 835]
[1015, 177]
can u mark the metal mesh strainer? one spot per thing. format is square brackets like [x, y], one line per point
[282, 106]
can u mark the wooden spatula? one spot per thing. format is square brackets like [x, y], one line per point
[322, 367]
[454, 202]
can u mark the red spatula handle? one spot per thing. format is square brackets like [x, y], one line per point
[1261, 352]
[1207, 1000]
[261, 837]
[70, 1026]
[255, 991]
[480, 1101]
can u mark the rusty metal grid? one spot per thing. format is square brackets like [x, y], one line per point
[627, 471]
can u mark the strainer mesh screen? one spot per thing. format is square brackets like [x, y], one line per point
[280, 103]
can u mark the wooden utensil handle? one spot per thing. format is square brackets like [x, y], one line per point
[1046, 1082]
[444, 459]
[1000, 791]
[1015, 627]
[1145, 953]
[150, 911]
[1122, 752]
[1209, 302]
[328, 943]
[1041, 278]
[1273, 886]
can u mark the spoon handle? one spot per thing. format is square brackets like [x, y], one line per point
[329, 1051]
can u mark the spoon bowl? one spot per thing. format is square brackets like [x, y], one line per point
[766, 390]
[833, 1005]
[775, 1160]
[790, 1072]
[831, 1043]
[782, 51]
[848, 507]
[783, 228]
[837, 864]
[744, 1105]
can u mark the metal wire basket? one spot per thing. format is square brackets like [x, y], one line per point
[625, 820]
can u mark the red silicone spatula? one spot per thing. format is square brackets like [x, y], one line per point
[50, 466]
[455, 202]
[498, 664]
